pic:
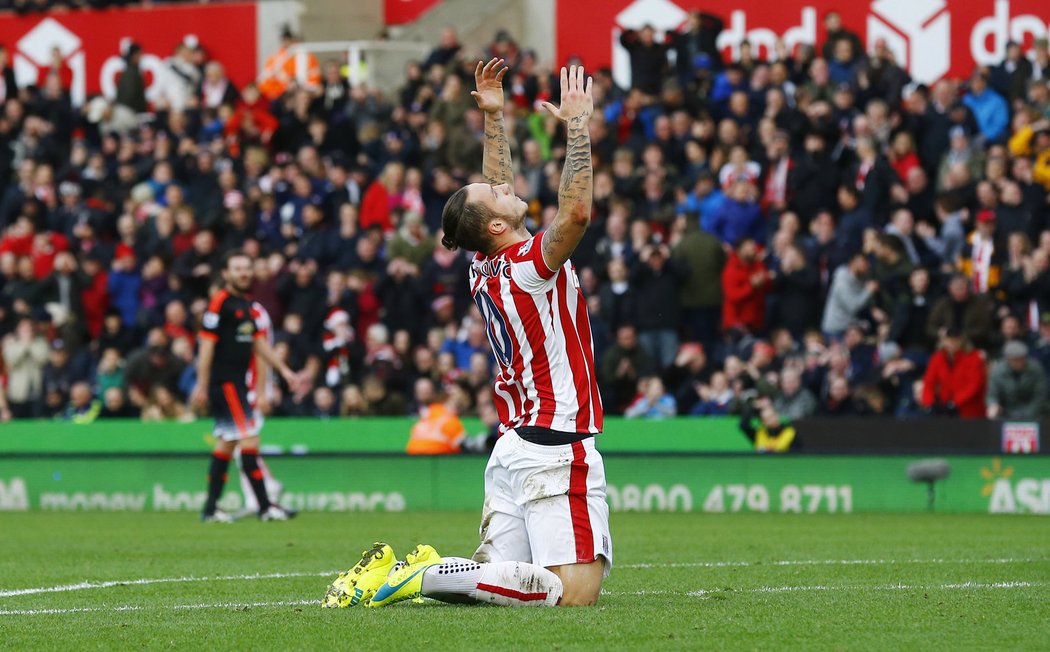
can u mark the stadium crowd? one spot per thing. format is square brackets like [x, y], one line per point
[809, 233]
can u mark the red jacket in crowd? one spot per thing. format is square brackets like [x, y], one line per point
[744, 303]
[960, 379]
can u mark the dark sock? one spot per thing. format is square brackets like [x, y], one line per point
[220, 462]
[250, 462]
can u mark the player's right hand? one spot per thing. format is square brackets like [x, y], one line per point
[488, 77]
[577, 103]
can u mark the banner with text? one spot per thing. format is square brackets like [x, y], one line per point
[89, 43]
[930, 38]
[678, 483]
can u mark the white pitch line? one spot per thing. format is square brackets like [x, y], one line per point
[131, 607]
[704, 593]
[824, 562]
[63, 588]
[699, 593]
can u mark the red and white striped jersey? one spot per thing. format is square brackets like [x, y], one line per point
[264, 326]
[537, 324]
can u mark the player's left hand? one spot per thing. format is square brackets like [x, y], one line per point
[577, 102]
[489, 79]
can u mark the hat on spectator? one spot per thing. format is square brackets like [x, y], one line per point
[1015, 349]
[957, 132]
[68, 188]
[762, 346]
[985, 216]
[58, 344]
[336, 317]
[124, 251]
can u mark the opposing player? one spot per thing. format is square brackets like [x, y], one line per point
[545, 522]
[260, 396]
[228, 339]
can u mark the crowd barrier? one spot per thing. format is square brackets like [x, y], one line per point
[679, 465]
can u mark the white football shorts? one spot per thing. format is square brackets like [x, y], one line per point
[545, 504]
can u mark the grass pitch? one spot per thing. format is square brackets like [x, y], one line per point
[681, 581]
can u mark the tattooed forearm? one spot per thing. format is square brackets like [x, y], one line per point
[496, 162]
[574, 197]
[575, 192]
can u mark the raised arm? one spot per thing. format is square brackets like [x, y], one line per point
[496, 161]
[576, 191]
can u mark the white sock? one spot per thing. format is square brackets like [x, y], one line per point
[456, 577]
[507, 583]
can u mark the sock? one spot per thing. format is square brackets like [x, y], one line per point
[456, 577]
[507, 583]
[220, 462]
[250, 462]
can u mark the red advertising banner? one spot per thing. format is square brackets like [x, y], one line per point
[931, 38]
[90, 42]
[398, 12]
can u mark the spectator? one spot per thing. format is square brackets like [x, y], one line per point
[164, 406]
[1016, 386]
[962, 310]
[622, 366]
[716, 398]
[653, 401]
[83, 407]
[745, 282]
[797, 289]
[131, 87]
[656, 280]
[794, 401]
[25, 355]
[834, 31]
[448, 47]
[281, 68]
[956, 380]
[767, 430]
[648, 59]
[989, 108]
[701, 257]
[850, 292]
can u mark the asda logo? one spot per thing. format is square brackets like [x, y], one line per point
[13, 496]
[1009, 495]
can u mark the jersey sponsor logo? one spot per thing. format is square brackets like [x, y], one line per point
[245, 332]
[211, 320]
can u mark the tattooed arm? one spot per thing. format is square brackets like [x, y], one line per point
[576, 191]
[496, 162]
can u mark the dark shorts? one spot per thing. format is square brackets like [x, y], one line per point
[234, 419]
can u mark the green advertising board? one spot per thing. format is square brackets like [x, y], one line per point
[679, 483]
[371, 435]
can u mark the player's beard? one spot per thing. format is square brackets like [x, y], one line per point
[241, 287]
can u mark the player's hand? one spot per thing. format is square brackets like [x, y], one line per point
[199, 398]
[577, 103]
[488, 77]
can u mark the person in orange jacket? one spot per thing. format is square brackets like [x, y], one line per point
[439, 430]
[956, 378]
[280, 68]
